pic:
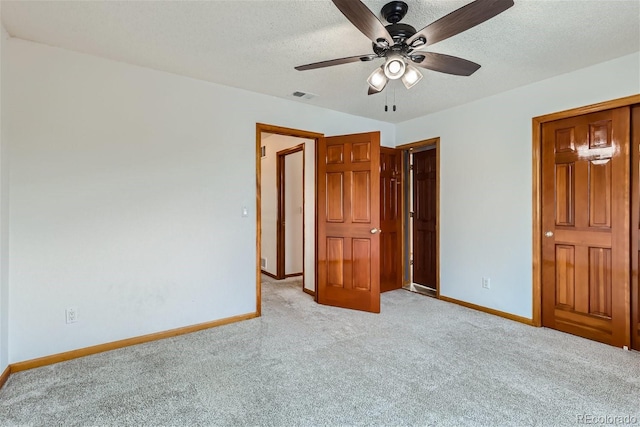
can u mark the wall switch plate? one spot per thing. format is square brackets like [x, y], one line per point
[486, 283]
[245, 212]
[71, 315]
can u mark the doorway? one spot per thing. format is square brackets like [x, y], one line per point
[277, 150]
[421, 207]
[342, 253]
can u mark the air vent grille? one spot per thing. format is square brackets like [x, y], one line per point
[304, 95]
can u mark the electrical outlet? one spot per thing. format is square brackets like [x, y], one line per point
[486, 283]
[71, 315]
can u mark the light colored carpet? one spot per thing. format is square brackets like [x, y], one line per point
[420, 362]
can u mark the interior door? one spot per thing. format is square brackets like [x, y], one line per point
[294, 214]
[585, 220]
[390, 219]
[424, 218]
[348, 243]
[290, 221]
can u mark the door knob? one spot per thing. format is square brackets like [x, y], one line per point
[375, 230]
[549, 234]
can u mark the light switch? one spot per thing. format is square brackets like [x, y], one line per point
[245, 212]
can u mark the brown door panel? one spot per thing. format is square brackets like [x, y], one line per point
[348, 215]
[390, 219]
[585, 242]
[424, 218]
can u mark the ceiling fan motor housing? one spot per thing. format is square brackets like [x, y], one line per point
[399, 32]
[393, 12]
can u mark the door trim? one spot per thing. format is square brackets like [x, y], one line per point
[635, 221]
[280, 230]
[279, 130]
[431, 142]
[537, 123]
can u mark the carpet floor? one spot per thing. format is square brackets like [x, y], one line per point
[421, 362]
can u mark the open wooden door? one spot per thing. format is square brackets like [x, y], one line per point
[425, 218]
[390, 219]
[348, 210]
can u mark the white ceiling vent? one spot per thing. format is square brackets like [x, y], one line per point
[304, 95]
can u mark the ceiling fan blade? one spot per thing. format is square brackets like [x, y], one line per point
[445, 63]
[364, 20]
[332, 62]
[460, 20]
[372, 91]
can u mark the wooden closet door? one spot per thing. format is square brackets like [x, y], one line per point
[585, 226]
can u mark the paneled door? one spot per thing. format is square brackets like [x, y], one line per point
[348, 243]
[390, 219]
[585, 226]
[424, 218]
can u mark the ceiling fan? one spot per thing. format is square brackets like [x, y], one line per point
[402, 46]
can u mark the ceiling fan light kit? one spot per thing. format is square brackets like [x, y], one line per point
[377, 80]
[411, 76]
[394, 67]
[402, 46]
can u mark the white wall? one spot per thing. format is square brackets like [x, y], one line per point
[126, 192]
[126, 189]
[275, 143]
[4, 222]
[269, 202]
[486, 179]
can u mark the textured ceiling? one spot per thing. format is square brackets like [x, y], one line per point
[254, 45]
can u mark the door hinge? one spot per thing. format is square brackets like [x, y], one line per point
[411, 262]
[410, 167]
[411, 214]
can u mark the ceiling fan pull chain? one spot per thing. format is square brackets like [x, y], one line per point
[394, 99]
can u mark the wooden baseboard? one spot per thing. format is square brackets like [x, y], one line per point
[307, 291]
[286, 276]
[266, 273]
[488, 310]
[74, 354]
[5, 376]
